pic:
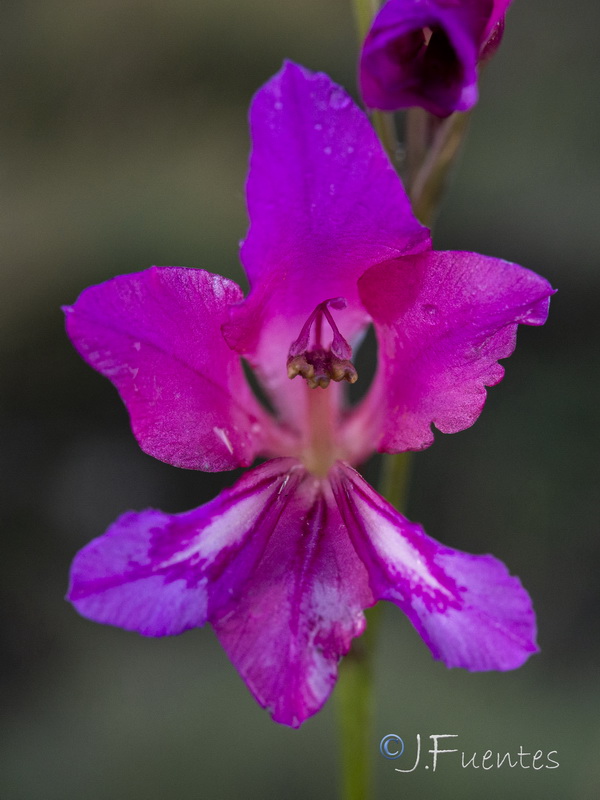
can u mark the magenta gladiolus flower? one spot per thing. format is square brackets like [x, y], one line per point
[425, 53]
[284, 562]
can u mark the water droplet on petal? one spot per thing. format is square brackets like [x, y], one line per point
[430, 313]
[278, 105]
[327, 150]
[318, 126]
[338, 99]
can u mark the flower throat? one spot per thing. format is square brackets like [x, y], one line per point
[318, 364]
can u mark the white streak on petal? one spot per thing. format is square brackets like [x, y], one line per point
[396, 550]
[221, 433]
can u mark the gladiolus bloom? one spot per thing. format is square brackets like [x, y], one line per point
[283, 563]
[425, 53]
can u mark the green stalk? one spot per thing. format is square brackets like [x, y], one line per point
[430, 165]
[354, 701]
[394, 479]
[354, 690]
[364, 11]
[355, 712]
[431, 149]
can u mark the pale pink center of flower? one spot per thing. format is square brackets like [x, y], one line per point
[317, 363]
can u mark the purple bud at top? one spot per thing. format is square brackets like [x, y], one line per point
[426, 52]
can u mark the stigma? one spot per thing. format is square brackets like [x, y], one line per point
[316, 363]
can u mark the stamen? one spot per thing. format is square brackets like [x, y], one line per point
[319, 365]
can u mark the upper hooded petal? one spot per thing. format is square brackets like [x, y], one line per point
[442, 319]
[324, 205]
[468, 609]
[157, 336]
[399, 68]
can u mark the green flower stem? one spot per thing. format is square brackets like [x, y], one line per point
[394, 479]
[364, 11]
[355, 712]
[385, 127]
[432, 148]
[353, 694]
[354, 689]
[418, 125]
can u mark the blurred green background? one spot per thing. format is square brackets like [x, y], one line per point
[123, 143]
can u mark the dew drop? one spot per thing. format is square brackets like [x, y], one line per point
[338, 99]
[318, 126]
[278, 105]
[327, 150]
[430, 312]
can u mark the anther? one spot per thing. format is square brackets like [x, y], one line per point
[319, 365]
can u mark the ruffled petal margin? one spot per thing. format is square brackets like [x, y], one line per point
[468, 609]
[157, 336]
[443, 319]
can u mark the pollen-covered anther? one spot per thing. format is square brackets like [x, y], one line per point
[298, 365]
[319, 365]
[343, 370]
